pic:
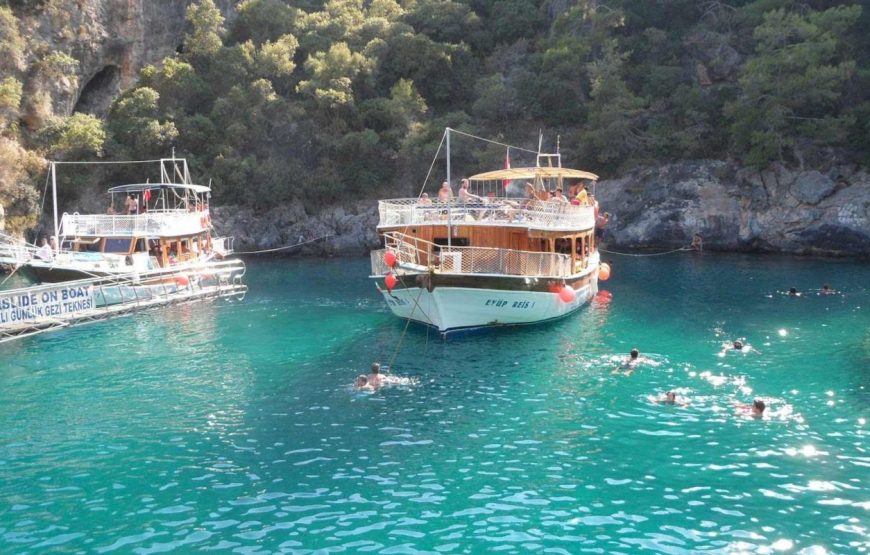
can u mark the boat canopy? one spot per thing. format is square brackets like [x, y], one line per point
[139, 187]
[540, 172]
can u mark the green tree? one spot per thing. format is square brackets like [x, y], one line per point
[262, 21]
[11, 43]
[332, 74]
[134, 124]
[208, 28]
[10, 101]
[76, 135]
[791, 86]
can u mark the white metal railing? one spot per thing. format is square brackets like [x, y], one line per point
[168, 223]
[519, 212]
[223, 245]
[410, 250]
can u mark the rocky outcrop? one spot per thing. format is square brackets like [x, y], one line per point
[111, 40]
[335, 231]
[734, 208]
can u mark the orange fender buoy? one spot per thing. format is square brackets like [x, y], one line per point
[390, 281]
[604, 271]
[567, 294]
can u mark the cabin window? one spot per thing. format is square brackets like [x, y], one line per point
[117, 245]
[140, 246]
[88, 246]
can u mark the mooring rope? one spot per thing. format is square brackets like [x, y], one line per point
[407, 324]
[647, 254]
[286, 247]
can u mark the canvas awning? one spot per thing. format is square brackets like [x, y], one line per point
[534, 173]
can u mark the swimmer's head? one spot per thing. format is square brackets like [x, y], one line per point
[758, 406]
[671, 397]
[792, 291]
[361, 381]
[738, 345]
[635, 353]
[376, 367]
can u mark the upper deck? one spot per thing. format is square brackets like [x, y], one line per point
[501, 212]
[160, 223]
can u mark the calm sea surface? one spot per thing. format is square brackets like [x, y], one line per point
[232, 426]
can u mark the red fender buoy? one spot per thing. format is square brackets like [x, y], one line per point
[604, 271]
[567, 294]
[390, 259]
[390, 281]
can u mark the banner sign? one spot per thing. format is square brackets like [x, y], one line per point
[24, 306]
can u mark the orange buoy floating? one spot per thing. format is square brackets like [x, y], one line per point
[604, 271]
[390, 281]
[390, 259]
[567, 294]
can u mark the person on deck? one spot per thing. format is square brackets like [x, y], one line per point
[44, 251]
[582, 197]
[465, 195]
[131, 206]
[557, 196]
[424, 200]
[445, 193]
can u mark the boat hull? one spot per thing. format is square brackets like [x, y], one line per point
[483, 301]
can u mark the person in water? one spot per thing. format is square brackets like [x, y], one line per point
[793, 292]
[374, 378]
[755, 410]
[632, 361]
[670, 398]
[826, 290]
[739, 346]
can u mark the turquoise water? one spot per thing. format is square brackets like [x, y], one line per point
[231, 426]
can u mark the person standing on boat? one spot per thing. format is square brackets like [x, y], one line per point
[445, 193]
[44, 251]
[131, 205]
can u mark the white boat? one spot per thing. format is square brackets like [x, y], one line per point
[491, 259]
[163, 225]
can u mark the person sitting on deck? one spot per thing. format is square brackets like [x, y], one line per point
[557, 196]
[445, 193]
[465, 195]
[424, 200]
[582, 197]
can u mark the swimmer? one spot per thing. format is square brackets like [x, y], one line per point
[374, 379]
[826, 290]
[361, 382]
[739, 346]
[755, 410]
[793, 292]
[670, 398]
[632, 361]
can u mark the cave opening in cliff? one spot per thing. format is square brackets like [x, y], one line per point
[98, 94]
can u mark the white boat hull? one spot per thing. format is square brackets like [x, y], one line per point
[455, 308]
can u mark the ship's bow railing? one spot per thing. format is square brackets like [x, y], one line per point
[416, 254]
[519, 212]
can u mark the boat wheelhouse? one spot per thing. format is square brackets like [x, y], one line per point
[148, 226]
[491, 258]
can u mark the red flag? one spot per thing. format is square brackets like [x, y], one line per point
[507, 165]
[147, 195]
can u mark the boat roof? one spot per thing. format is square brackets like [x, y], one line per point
[136, 187]
[543, 172]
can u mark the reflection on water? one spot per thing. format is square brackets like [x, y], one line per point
[234, 426]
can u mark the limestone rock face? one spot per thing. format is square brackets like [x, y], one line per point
[111, 39]
[734, 208]
[349, 230]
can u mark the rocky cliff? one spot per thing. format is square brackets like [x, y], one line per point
[734, 208]
[111, 40]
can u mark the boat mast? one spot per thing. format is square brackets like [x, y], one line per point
[54, 202]
[449, 200]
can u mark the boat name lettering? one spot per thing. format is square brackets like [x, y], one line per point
[523, 304]
[51, 302]
[496, 302]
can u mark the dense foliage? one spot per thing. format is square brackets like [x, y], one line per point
[343, 99]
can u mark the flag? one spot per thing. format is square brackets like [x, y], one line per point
[507, 165]
[147, 195]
